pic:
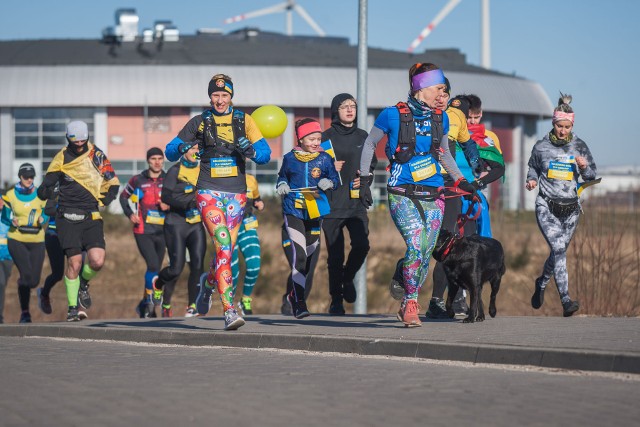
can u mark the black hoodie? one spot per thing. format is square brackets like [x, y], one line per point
[347, 144]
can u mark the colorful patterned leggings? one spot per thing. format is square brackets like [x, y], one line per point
[249, 245]
[221, 216]
[420, 232]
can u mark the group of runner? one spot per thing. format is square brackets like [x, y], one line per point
[440, 160]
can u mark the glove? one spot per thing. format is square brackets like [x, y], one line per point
[365, 190]
[283, 189]
[325, 184]
[185, 146]
[478, 184]
[465, 186]
[243, 143]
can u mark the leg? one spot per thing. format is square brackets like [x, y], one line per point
[358, 228]
[296, 233]
[250, 248]
[334, 239]
[495, 287]
[196, 244]
[452, 207]
[56, 261]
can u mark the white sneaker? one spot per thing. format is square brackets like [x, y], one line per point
[232, 320]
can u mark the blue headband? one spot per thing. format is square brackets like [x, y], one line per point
[426, 79]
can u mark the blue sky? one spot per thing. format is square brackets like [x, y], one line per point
[587, 48]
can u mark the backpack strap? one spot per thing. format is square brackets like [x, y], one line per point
[406, 147]
[437, 133]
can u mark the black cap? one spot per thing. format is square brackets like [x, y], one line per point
[462, 103]
[154, 151]
[26, 170]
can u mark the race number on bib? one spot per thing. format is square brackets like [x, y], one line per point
[222, 167]
[422, 169]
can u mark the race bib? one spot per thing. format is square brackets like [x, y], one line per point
[560, 170]
[223, 167]
[155, 217]
[250, 222]
[422, 169]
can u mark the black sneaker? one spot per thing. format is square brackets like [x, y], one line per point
[285, 308]
[84, 299]
[336, 308]
[146, 309]
[460, 307]
[349, 291]
[396, 287]
[570, 307]
[538, 296]
[25, 317]
[298, 308]
[72, 315]
[44, 302]
[437, 309]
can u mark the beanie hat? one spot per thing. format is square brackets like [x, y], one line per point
[77, 131]
[154, 151]
[26, 170]
[220, 84]
[461, 102]
[448, 86]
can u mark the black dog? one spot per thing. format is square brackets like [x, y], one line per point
[469, 262]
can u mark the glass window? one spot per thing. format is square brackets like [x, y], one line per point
[22, 140]
[53, 113]
[54, 127]
[48, 153]
[26, 127]
[27, 153]
[54, 141]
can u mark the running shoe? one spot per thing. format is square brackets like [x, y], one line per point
[167, 311]
[25, 317]
[460, 307]
[84, 299]
[298, 308]
[156, 296]
[203, 301]
[538, 296]
[349, 291]
[232, 320]
[44, 302]
[437, 309]
[285, 308]
[191, 311]
[396, 286]
[408, 314]
[569, 307]
[72, 315]
[337, 307]
[245, 306]
[146, 309]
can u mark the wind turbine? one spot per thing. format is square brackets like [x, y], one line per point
[288, 6]
[485, 47]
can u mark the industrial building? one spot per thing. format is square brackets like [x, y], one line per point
[136, 89]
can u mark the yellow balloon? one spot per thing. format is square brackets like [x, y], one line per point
[271, 120]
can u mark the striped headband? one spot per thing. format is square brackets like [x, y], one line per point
[307, 129]
[561, 115]
[220, 85]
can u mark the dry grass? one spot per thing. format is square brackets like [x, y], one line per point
[604, 269]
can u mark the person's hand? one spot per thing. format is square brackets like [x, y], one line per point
[356, 182]
[468, 188]
[258, 204]
[134, 219]
[531, 184]
[164, 206]
[365, 190]
[40, 220]
[14, 222]
[325, 184]
[581, 162]
[283, 189]
[338, 164]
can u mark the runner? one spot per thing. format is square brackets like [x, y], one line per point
[249, 245]
[306, 174]
[182, 231]
[145, 190]
[24, 213]
[226, 137]
[86, 182]
[6, 264]
[417, 148]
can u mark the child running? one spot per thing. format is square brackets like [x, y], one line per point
[306, 173]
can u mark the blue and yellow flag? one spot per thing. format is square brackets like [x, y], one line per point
[327, 146]
[583, 185]
[317, 204]
[137, 195]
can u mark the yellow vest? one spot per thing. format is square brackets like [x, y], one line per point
[27, 214]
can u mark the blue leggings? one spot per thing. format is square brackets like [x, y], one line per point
[420, 232]
[249, 245]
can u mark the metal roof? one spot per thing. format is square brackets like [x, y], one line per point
[269, 69]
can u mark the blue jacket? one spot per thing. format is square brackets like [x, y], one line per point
[299, 174]
[389, 122]
[4, 250]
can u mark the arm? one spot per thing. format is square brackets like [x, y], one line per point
[496, 171]
[586, 164]
[186, 138]
[470, 151]
[125, 195]
[176, 199]
[46, 189]
[369, 148]
[6, 215]
[534, 170]
[448, 162]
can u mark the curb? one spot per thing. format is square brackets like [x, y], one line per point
[591, 360]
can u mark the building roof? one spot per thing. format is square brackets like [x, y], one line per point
[266, 68]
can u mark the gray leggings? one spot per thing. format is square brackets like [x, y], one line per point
[558, 233]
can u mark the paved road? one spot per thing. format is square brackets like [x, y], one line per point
[62, 382]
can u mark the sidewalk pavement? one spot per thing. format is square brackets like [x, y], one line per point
[576, 343]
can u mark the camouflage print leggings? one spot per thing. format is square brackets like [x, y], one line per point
[558, 233]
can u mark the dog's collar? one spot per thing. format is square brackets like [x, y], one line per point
[441, 252]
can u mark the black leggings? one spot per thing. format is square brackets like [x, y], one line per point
[179, 238]
[56, 261]
[151, 247]
[28, 258]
